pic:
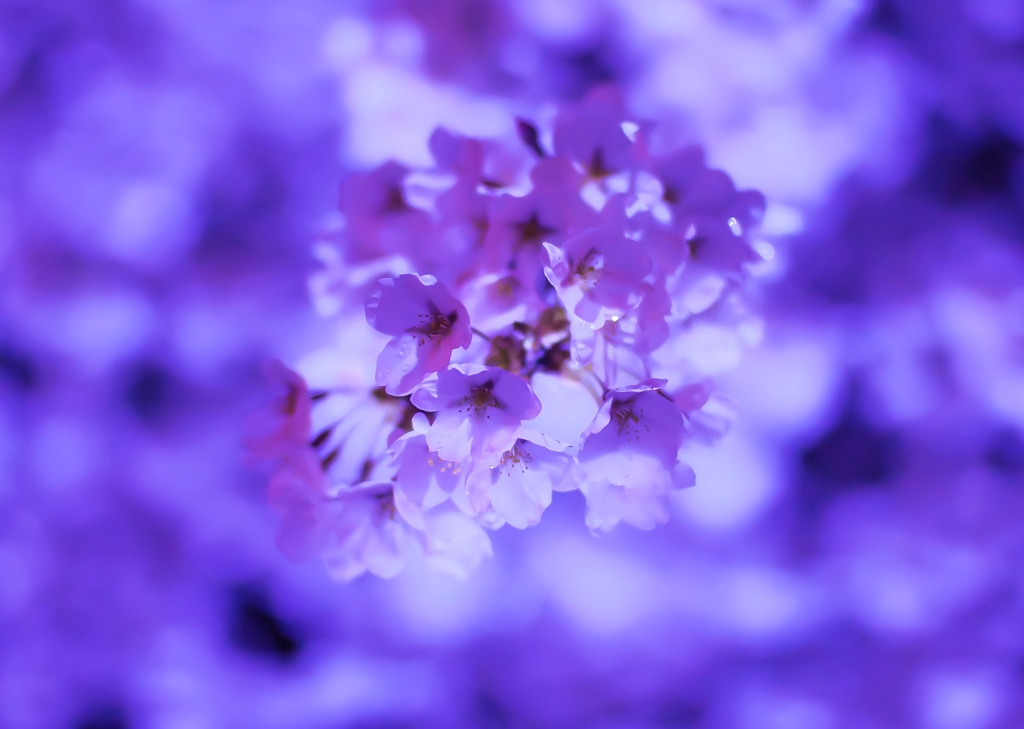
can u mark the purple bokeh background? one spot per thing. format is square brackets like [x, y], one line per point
[851, 556]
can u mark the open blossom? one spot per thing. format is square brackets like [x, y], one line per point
[460, 209]
[378, 218]
[519, 226]
[630, 458]
[591, 133]
[598, 274]
[423, 479]
[517, 485]
[426, 322]
[355, 529]
[461, 155]
[364, 533]
[498, 302]
[477, 411]
[623, 342]
[708, 208]
[285, 424]
[296, 491]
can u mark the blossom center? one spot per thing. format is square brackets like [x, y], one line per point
[532, 231]
[480, 398]
[587, 270]
[394, 201]
[386, 504]
[443, 466]
[435, 324]
[628, 419]
[514, 457]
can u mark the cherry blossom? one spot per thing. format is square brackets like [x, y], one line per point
[365, 533]
[426, 322]
[592, 134]
[477, 412]
[285, 424]
[630, 457]
[423, 479]
[708, 208]
[517, 485]
[519, 226]
[598, 275]
[354, 529]
[378, 218]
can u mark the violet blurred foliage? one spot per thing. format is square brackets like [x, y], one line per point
[850, 556]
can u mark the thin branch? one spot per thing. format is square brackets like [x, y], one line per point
[481, 335]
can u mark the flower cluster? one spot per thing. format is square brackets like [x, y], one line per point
[539, 309]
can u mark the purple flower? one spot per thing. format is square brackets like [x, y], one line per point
[457, 153]
[427, 324]
[296, 491]
[283, 426]
[518, 226]
[461, 209]
[591, 133]
[355, 530]
[498, 302]
[666, 246]
[630, 458]
[378, 219]
[424, 480]
[364, 528]
[478, 412]
[625, 340]
[363, 532]
[707, 206]
[598, 274]
[517, 485]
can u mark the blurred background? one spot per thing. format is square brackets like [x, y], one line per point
[851, 556]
